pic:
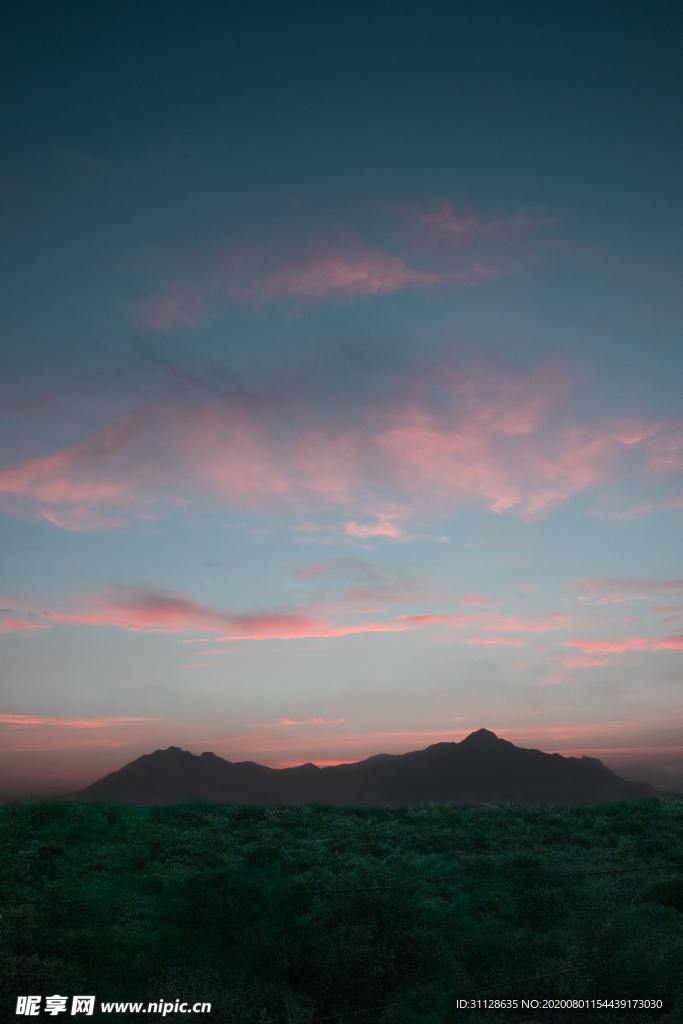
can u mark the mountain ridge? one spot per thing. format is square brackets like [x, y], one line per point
[481, 768]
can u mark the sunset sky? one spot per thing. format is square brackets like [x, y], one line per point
[341, 391]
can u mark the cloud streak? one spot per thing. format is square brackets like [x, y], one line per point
[28, 721]
[141, 611]
[386, 524]
[328, 273]
[153, 612]
[447, 222]
[620, 584]
[11, 624]
[496, 623]
[336, 266]
[461, 436]
[673, 642]
[288, 723]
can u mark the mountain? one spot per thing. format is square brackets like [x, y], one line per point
[480, 769]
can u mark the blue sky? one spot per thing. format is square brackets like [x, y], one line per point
[341, 396]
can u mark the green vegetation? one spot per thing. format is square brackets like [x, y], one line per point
[291, 914]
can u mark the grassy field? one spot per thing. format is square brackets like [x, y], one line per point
[294, 915]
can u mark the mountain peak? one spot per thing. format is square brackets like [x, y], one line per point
[170, 753]
[480, 738]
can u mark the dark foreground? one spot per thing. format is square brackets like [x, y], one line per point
[288, 915]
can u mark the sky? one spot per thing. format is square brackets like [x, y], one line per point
[341, 407]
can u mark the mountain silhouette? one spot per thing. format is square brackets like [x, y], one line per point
[480, 769]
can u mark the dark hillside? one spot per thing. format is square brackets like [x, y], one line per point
[480, 769]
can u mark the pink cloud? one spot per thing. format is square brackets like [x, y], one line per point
[605, 590]
[154, 612]
[145, 612]
[630, 584]
[500, 457]
[451, 437]
[447, 222]
[496, 641]
[239, 451]
[630, 751]
[19, 625]
[71, 487]
[292, 627]
[333, 763]
[302, 628]
[336, 270]
[20, 741]
[584, 661]
[492, 448]
[309, 528]
[23, 721]
[632, 643]
[179, 306]
[139, 611]
[495, 623]
[667, 504]
[229, 450]
[475, 600]
[365, 272]
[162, 614]
[285, 723]
[386, 524]
[306, 270]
